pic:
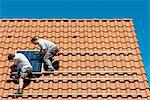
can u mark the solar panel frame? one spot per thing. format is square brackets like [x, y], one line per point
[34, 60]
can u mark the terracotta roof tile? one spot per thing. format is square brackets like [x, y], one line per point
[81, 39]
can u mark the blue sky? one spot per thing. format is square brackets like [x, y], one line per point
[138, 10]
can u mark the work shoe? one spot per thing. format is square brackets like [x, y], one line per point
[19, 91]
[55, 64]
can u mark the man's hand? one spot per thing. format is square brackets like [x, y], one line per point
[45, 50]
[17, 76]
[13, 67]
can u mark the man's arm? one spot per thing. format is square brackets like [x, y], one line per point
[45, 50]
[12, 67]
[42, 47]
[15, 61]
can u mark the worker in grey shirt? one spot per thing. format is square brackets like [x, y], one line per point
[49, 48]
[21, 61]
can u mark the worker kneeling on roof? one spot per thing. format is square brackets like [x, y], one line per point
[49, 49]
[21, 61]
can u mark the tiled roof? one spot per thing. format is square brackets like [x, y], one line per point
[99, 59]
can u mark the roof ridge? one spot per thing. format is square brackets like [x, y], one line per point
[66, 19]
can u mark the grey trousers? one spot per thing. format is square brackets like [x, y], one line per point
[51, 52]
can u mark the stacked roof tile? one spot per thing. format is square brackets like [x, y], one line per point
[99, 59]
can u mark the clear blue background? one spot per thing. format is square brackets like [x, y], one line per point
[138, 10]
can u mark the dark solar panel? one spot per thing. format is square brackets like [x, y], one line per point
[34, 59]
